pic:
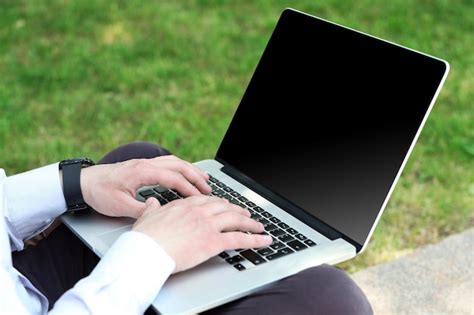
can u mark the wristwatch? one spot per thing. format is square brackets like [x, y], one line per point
[71, 169]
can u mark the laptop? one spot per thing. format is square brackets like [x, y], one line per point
[314, 151]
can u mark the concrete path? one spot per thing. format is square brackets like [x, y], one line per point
[436, 279]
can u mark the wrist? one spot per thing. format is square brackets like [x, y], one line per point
[85, 184]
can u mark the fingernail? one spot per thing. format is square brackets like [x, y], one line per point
[268, 238]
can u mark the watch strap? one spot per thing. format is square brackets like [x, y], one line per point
[72, 187]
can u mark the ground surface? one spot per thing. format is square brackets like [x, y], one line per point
[80, 77]
[436, 279]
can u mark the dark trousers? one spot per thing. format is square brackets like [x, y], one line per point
[60, 260]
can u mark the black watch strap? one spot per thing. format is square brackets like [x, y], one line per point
[71, 173]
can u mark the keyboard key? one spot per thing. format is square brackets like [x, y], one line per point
[275, 220]
[162, 201]
[277, 245]
[235, 194]
[253, 257]
[235, 202]
[292, 231]
[228, 197]
[160, 189]
[283, 225]
[270, 227]
[243, 199]
[213, 179]
[280, 253]
[277, 232]
[266, 214]
[265, 251]
[146, 193]
[258, 209]
[286, 238]
[250, 204]
[224, 255]
[301, 237]
[168, 194]
[309, 243]
[286, 251]
[239, 267]
[262, 220]
[174, 197]
[227, 189]
[234, 260]
[219, 194]
[221, 184]
[297, 245]
[255, 216]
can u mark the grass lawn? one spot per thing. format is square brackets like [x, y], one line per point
[81, 77]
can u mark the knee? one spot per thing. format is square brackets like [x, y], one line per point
[144, 149]
[134, 150]
[328, 290]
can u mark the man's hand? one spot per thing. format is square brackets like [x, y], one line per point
[111, 188]
[194, 229]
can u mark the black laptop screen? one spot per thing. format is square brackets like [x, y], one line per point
[328, 118]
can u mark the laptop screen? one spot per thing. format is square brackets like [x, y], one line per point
[328, 118]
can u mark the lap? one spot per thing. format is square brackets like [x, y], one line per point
[56, 263]
[318, 290]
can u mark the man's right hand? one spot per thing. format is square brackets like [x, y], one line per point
[194, 229]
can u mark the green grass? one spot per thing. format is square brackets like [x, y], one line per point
[81, 77]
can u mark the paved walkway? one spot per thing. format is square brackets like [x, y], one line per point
[436, 279]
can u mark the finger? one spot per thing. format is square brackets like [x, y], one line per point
[175, 158]
[172, 158]
[233, 221]
[201, 172]
[233, 240]
[189, 171]
[137, 208]
[217, 205]
[152, 202]
[173, 180]
[196, 200]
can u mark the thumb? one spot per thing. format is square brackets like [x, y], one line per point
[150, 202]
[138, 208]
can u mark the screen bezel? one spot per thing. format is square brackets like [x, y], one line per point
[301, 214]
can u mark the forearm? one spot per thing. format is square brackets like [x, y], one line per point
[125, 281]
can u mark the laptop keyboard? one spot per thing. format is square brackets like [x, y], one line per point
[286, 240]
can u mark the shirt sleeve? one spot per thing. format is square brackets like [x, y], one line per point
[33, 200]
[126, 280]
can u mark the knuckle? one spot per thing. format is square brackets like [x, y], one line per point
[175, 180]
[239, 238]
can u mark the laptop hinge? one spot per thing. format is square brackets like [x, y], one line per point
[289, 207]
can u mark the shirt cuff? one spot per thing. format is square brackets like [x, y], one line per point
[126, 280]
[33, 200]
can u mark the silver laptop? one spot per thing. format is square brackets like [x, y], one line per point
[314, 150]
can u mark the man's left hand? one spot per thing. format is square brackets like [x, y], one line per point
[111, 188]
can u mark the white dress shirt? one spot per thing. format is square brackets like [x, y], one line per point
[126, 280]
